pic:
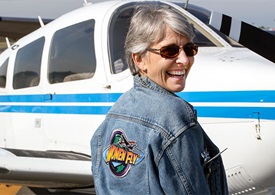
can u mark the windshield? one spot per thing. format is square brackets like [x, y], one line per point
[204, 15]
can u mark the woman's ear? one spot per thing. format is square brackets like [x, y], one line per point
[139, 61]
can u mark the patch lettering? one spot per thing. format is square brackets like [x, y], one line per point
[121, 154]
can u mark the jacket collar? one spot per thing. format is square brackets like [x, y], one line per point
[143, 81]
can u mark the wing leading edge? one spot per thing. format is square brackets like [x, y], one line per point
[15, 28]
[47, 169]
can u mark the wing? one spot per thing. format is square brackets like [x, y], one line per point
[18, 18]
[15, 28]
[255, 39]
[47, 169]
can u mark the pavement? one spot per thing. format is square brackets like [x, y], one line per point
[21, 190]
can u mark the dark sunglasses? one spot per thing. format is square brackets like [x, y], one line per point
[172, 51]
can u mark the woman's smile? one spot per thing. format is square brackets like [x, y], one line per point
[176, 73]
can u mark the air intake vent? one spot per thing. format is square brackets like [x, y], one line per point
[239, 182]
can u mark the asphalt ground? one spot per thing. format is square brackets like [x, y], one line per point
[21, 190]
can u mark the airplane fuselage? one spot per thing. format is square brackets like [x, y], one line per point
[58, 83]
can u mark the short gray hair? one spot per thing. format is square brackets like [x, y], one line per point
[148, 26]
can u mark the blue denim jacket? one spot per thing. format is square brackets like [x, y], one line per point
[151, 143]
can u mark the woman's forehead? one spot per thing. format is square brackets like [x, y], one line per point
[169, 37]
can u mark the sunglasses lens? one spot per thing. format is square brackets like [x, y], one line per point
[170, 51]
[190, 49]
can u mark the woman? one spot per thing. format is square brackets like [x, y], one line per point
[151, 141]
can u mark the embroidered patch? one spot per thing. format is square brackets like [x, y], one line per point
[121, 154]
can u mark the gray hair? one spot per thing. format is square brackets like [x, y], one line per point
[148, 26]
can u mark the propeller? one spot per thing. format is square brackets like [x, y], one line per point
[255, 39]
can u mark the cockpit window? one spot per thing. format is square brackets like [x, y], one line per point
[204, 16]
[72, 53]
[28, 64]
[118, 31]
[3, 73]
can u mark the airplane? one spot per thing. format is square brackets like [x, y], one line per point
[58, 83]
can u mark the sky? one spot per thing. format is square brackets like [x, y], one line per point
[256, 12]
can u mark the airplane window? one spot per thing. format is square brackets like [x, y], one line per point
[72, 53]
[118, 31]
[27, 65]
[3, 73]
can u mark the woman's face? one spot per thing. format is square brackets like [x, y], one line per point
[169, 73]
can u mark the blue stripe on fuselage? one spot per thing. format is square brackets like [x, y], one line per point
[62, 98]
[207, 96]
[34, 100]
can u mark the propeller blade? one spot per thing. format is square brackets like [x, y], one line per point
[255, 39]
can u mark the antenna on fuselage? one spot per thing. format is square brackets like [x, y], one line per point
[186, 4]
[85, 3]
[41, 21]
[8, 42]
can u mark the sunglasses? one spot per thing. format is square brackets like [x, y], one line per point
[172, 51]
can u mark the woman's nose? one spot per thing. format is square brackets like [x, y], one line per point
[183, 58]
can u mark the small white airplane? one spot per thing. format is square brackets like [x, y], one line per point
[58, 82]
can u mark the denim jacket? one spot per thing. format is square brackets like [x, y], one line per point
[151, 143]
